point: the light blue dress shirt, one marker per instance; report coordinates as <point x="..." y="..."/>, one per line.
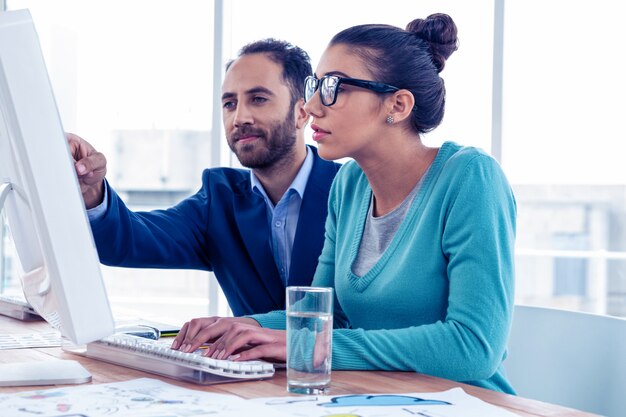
<point x="283" y="218"/>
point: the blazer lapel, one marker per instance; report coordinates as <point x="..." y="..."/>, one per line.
<point x="309" y="238"/>
<point x="251" y="218"/>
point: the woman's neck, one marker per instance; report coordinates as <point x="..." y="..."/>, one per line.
<point x="395" y="171"/>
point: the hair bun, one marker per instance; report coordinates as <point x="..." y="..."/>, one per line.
<point x="440" y="32"/>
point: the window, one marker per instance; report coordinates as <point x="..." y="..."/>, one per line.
<point x="563" y="106"/>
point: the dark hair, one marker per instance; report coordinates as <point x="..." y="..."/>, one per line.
<point x="410" y="59"/>
<point x="295" y="62"/>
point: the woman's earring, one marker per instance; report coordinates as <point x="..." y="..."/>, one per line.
<point x="389" y="120"/>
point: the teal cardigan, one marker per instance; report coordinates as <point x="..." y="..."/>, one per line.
<point x="440" y="299"/>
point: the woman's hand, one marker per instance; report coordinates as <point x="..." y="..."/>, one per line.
<point x="244" y="342"/>
<point x="196" y="332"/>
<point x="235" y="338"/>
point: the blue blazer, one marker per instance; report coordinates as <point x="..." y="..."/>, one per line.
<point x="222" y="228"/>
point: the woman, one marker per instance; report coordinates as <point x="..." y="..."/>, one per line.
<point x="419" y="240"/>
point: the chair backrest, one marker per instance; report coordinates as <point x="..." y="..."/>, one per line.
<point x="569" y="358"/>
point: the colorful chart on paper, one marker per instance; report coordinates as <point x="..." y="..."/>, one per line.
<point x="143" y="397"/>
<point x="452" y="403"/>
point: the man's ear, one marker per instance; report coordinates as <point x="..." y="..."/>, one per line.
<point x="301" y="116"/>
<point x="400" y="105"/>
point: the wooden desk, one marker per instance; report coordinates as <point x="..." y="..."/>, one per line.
<point x="343" y="382"/>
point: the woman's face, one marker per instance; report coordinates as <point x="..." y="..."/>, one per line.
<point x="354" y="124"/>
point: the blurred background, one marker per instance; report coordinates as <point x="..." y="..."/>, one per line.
<point x="537" y="84"/>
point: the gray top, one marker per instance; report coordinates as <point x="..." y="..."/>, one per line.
<point x="379" y="231"/>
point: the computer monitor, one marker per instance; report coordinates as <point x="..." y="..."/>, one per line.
<point x="40" y="194"/>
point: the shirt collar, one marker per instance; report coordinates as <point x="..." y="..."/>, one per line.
<point x="299" y="182"/>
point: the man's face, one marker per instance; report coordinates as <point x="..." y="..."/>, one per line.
<point x="257" y="112"/>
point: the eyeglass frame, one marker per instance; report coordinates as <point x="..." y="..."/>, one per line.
<point x="375" y="86"/>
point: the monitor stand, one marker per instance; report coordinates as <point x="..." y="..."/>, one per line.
<point x="54" y="372"/>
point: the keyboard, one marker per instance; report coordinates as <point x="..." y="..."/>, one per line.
<point x="17" y="307"/>
<point x="156" y="356"/>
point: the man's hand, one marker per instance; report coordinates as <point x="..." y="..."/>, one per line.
<point x="91" y="167"/>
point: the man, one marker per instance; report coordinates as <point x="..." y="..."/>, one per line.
<point x="259" y="229"/>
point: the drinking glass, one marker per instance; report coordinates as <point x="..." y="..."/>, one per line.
<point x="309" y="339"/>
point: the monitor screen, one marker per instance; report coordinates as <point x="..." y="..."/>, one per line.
<point x="39" y="192"/>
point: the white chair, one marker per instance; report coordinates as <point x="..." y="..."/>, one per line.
<point x="569" y="358"/>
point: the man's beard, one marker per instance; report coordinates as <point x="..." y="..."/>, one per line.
<point x="279" y="142"/>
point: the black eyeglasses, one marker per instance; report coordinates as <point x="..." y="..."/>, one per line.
<point x="329" y="84"/>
